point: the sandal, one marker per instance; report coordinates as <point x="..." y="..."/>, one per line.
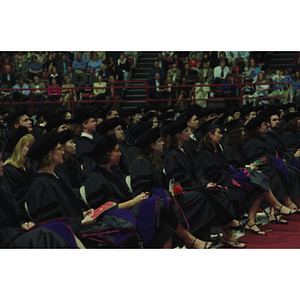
<point x="258" y="232"/>
<point x="297" y="210"/>
<point x="278" y="211"/>
<point x="241" y="225"/>
<point x="234" y="244"/>
<point x="191" y="246"/>
<point x="278" y="220"/>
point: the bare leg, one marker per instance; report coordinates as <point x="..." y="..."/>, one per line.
<point x="78" y="242"/>
<point x="252" y="215"/>
<point x="275" y="204"/>
<point x="290" y="204"/>
<point x="168" y="244"/>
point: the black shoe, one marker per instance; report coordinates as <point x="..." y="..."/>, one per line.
<point x="241" y="225"/>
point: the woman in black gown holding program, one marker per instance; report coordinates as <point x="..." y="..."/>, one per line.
<point x="104" y="184"/>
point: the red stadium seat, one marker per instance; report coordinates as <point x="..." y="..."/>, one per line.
<point x="83" y="96"/>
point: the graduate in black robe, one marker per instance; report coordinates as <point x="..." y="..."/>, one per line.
<point x="70" y="169"/>
<point x="290" y="135"/>
<point x="51" y="197"/>
<point x="284" y="180"/>
<point x="17" y="231"/>
<point x="85" y="119"/>
<point x="272" y="137"/>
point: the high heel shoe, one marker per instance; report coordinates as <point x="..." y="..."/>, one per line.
<point x="234" y="244"/>
<point x="278" y="211"/>
<point x="241" y="225"/>
<point x="191" y="245"/>
<point x="258" y="232"/>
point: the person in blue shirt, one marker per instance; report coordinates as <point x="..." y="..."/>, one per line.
<point x="35" y="68"/>
<point x="229" y="91"/>
<point x="23" y="95"/>
<point x="79" y="64"/>
<point x="95" y="63"/>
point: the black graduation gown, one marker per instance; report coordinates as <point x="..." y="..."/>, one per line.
<point x="106" y="185"/>
<point x="71" y="170"/>
<point x="124" y="160"/>
<point x="17" y="180"/>
<point x="11" y="234"/>
<point x="50" y="197"/>
<point x="102" y="186"/>
<point x="83" y="146"/>
<point x="276" y="142"/>
<point x="255" y="149"/>
<point x="217" y="205"/>
<point x="215" y="170"/>
<point x="131" y="153"/>
<point x="258" y="180"/>
<point x="291" y="140"/>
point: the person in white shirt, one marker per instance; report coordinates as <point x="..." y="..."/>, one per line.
<point x="220" y="72"/>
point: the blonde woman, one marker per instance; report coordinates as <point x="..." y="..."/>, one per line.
<point x="17" y="171"/>
<point x="99" y="94"/>
<point x="67" y="93"/>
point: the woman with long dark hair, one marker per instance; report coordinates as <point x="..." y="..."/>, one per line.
<point x="147" y="173"/>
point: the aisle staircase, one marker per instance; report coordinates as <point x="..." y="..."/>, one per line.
<point x="141" y="72"/>
<point x="280" y="60"/>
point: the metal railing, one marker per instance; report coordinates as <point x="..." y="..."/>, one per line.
<point x="122" y="85"/>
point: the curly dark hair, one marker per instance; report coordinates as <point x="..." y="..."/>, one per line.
<point x="234" y="139"/>
<point x="254" y="133"/>
<point x="103" y="158"/>
<point x="291" y="126"/>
